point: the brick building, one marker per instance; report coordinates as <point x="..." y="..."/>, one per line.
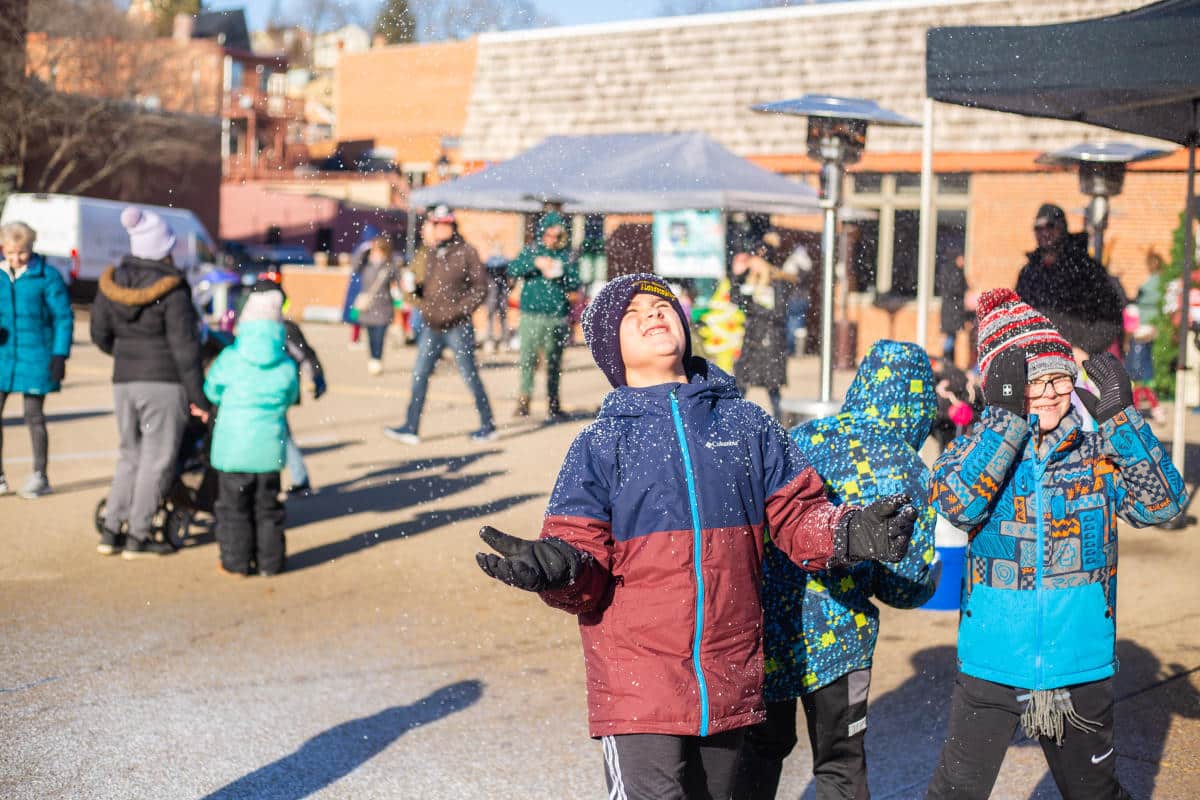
<point x="705" y="72"/>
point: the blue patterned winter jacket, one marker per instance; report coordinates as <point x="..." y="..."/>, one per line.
<point x="1039" y="592"/>
<point x="820" y="626"/>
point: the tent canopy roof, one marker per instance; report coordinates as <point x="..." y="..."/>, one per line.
<point x="1137" y="72"/>
<point x="625" y="173"/>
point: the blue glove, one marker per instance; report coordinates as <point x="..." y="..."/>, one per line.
<point x="319" y="387"/>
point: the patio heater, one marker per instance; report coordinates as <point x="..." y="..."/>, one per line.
<point x="837" y="134"/>
<point x="1101" y="168"/>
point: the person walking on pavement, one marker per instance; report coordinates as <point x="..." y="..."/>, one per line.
<point x="455" y="284"/>
<point x="373" y="307"/>
<point x="143" y="317"/>
<point x="36" y="322"/>
<point x="550" y="274"/>
<point x="1073" y="290"/>
<point x="820" y="628"/>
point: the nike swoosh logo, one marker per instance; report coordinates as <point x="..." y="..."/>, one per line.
<point x="1098" y="759"/>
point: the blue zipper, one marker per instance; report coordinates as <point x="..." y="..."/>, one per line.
<point x="690" y="477"/>
<point x="1039" y="471"/>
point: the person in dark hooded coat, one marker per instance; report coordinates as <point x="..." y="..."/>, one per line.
<point x="1069" y="287"/>
<point x="143" y="317"/>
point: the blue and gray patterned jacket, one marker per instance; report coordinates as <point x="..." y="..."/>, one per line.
<point x="820" y="626"/>
<point x="1040" y="583"/>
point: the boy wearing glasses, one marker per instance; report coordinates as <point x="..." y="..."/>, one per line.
<point x="1040" y="497"/>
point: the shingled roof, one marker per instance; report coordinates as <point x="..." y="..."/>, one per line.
<point x="702" y="73"/>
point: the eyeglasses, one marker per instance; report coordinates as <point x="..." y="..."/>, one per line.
<point x="1063" y="384"/>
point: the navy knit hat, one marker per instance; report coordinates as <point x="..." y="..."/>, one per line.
<point x="602" y="321"/>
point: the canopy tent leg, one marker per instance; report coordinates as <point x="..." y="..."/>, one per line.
<point x="410" y="235"/>
<point x="1178" y="440"/>
<point x="926" y="241"/>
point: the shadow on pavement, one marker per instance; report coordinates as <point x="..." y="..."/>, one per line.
<point x="327" y="447"/>
<point x="1149" y="694"/>
<point x="335" y="753"/>
<point x="65" y="416"/>
<point x="908" y="724"/>
<point x="422" y="523"/>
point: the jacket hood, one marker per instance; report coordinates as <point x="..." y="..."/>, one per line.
<point x="548" y="221"/>
<point x="894" y="386"/>
<point x="707" y="383"/>
<point x="137" y="283"/>
<point x="261" y="342"/>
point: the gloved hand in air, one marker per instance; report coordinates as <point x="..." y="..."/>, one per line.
<point x="319" y="387"/>
<point x="879" y="532"/>
<point x="1116" y="391"/>
<point x="1007" y="377"/>
<point x="58" y="368"/>
<point x="534" y="566"/>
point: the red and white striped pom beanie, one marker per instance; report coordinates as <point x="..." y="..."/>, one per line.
<point x="1006" y="320"/>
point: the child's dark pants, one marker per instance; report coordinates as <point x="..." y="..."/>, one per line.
<point x="837" y="717"/>
<point x="983" y="717"/>
<point x="651" y="766"/>
<point x="250" y="521"/>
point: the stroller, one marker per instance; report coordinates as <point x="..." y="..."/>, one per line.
<point x="193" y="488"/>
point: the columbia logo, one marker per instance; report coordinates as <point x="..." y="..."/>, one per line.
<point x="711" y="445"/>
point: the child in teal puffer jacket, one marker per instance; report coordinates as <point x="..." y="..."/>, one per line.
<point x="253" y="382"/>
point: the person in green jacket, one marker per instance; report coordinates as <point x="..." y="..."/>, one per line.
<point x="550" y="273"/>
<point x="253" y="382"/>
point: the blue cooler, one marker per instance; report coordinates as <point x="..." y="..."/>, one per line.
<point x="951" y="546"/>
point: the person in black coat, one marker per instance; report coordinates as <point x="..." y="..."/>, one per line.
<point x="143" y="317"/>
<point x="1069" y="287"/>
<point x="762" y="290"/>
<point x="952" y="287"/>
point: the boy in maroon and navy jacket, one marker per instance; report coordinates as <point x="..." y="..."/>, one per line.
<point x="654" y="538"/>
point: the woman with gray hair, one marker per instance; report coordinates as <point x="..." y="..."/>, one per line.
<point x="35" y="341"/>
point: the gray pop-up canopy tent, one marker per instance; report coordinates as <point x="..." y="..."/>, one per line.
<point x="625" y="173"/>
<point x="1137" y="72"/>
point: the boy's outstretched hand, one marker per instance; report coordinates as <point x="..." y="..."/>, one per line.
<point x="534" y="566"/>
<point x="880" y="532"/>
<point x="1116" y="392"/>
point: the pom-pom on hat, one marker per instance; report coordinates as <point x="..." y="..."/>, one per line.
<point x="150" y="237"/>
<point x="1005" y="320"/>
<point x="602" y="321"/>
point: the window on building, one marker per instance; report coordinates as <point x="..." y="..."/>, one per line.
<point x="274" y="234"/>
<point x="883" y="256"/>
<point x="236" y="74"/>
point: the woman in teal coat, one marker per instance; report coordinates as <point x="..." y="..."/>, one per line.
<point x="35" y="340"/>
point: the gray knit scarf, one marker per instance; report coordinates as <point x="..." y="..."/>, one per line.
<point x="1046" y="713"/>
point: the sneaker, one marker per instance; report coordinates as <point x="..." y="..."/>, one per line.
<point x="522" y="409"/>
<point x="110" y="543"/>
<point x="36" y="486"/>
<point x="374" y="367"/>
<point x="300" y="490"/>
<point x="145" y="548"/>
<point x="4" y="489"/>
<point x="484" y="435"/>
<point x="403" y="434"/>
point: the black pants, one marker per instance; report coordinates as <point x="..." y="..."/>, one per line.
<point x="35" y="420"/>
<point x="650" y="766"/>
<point x="250" y="521"/>
<point x="983" y="717"/>
<point x="837" y="722"/>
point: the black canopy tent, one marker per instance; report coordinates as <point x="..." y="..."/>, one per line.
<point x="1137" y="72"/>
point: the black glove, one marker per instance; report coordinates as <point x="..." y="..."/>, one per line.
<point x="58" y="368"/>
<point x="879" y="532"/>
<point x="1116" y="392"/>
<point x="530" y="565"/>
<point x="1007" y="377"/>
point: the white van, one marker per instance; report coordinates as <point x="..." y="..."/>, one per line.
<point x="83" y="236"/>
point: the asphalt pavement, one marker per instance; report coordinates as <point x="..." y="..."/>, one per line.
<point x="384" y="664"/>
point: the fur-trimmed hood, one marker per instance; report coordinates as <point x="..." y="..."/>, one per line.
<point x="137" y="283"/>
